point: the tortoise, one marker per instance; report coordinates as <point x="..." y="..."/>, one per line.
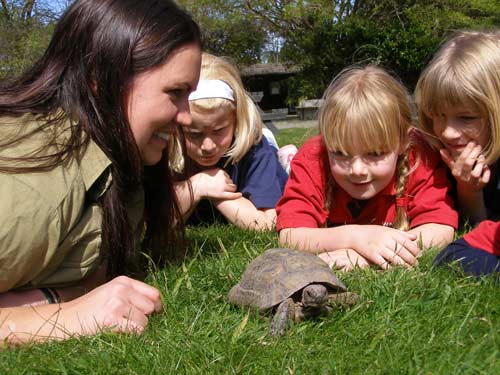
<point x="297" y="285"/>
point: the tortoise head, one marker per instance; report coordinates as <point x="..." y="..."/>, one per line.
<point x="314" y="295"/>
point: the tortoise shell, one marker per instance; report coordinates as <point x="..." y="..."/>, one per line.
<point x="279" y="273"/>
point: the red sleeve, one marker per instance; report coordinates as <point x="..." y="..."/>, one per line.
<point x="485" y="236"/>
<point x="303" y="201"/>
<point x="429" y="188"/>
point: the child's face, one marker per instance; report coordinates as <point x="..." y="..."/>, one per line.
<point x="210" y="135"/>
<point x="363" y="176"/>
<point x="157" y="101"/>
<point x="457" y="126"/>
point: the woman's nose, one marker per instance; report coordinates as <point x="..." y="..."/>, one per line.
<point x="183" y="116"/>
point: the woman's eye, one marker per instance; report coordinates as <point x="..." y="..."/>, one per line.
<point x="175" y="93"/>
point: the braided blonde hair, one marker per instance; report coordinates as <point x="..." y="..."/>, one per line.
<point x="368" y="107"/>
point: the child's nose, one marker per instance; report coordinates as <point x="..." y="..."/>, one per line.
<point x="208" y="144"/>
<point x="450" y="130"/>
<point x="358" y="167"/>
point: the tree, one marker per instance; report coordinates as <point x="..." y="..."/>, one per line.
<point x="228" y="29"/>
<point x="26" y="27"/>
<point x="326" y="36"/>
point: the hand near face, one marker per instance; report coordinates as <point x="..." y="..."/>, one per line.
<point x="468" y="167"/>
<point x="385" y="246"/>
<point x="215" y="183"/>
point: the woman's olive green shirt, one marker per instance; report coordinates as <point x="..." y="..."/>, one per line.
<point x="50" y="222"/>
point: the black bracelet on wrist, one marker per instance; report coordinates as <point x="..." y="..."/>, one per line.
<point x="51" y="295"/>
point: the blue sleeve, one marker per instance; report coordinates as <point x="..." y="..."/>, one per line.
<point x="260" y="176"/>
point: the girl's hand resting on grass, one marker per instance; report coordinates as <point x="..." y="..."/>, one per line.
<point x="122" y="305"/>
<point x="469" y="168"/>
<point x="344" y="259"/>
<point x="385" y="246"/>
<point x="214" y="184"/>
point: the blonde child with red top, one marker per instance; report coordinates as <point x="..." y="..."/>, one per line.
<point x="367" y="190"/>
<point x="458" y="96"/>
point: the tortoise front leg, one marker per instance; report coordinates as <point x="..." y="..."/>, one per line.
<point x="345" y="299"/>
<point x="285" y="313"/>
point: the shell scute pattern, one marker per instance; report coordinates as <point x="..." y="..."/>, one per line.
<point x="278" y="274"/>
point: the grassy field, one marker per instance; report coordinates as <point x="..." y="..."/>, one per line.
<point x="418" y="321"/>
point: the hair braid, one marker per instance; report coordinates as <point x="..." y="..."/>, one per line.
<point x="402" y="172"/>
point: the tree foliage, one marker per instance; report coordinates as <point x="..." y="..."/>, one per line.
<point x="326" y="36"/>
<point x="323" y="36"/>
<point x="26" y="27"/>
<point x="228" y="28"/>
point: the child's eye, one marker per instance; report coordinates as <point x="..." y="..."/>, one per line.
<point x="468" y="118"/>
<point x="376" y="154"/>
<point x="338" y="154"/>
<point x="219" y="131"/>
<point x="192" y="135"/>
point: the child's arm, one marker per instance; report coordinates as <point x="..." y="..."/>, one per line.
<point x="242" y="213"/>
<point x="210" y="184"/>
<point x="432" y="234"/>
<point x="378" y="244"/>
<point x="472" y="175"/>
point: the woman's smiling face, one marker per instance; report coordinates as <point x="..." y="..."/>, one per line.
<point x="157" y="101"/>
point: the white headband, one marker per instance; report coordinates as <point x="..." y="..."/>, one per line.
<point x="212" y="88"/>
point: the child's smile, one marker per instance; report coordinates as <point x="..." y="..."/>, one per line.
<point x="363" y="176"/>
<point x="457" y="126"/>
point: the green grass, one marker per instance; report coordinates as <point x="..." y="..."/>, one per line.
<point x="418" y="321"/>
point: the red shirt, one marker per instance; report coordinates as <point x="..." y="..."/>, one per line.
<point x="303" y="202"/>
<point x="485" y="236"/>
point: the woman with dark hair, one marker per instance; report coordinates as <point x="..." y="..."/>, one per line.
<point x="82" y="141"/>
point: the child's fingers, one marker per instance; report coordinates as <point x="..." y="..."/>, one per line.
<point x="227" y="195"/>
<point x="471" y="158"/>
<point x="406" y="256"/>
<point x="407" y="241"/>
<point x="485" y="177"/>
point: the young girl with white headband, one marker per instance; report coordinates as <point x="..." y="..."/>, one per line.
<point x="225" y="165"/>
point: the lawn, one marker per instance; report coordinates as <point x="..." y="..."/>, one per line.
<point x="418" y="321"/>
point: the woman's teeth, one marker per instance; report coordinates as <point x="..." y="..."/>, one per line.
<point x="162" y="135"/>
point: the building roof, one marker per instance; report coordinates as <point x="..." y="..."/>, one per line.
<point x="268" y="69"/>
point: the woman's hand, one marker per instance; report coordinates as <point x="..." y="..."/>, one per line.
<point x="344" y="259"/>
<point x="469" y="168"/>
<point x="122" y="305"/>
<point x="214" y="184"/>
<point x="385" y="246"/>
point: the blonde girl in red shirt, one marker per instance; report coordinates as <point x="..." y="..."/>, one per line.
<point x="458" y="95"/>
<point x="367" y="190"/>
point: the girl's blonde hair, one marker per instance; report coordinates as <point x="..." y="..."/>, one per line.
<point x="366" y="107"/>
<point x="466" y="69"/>
<point x="248" y="127"/>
